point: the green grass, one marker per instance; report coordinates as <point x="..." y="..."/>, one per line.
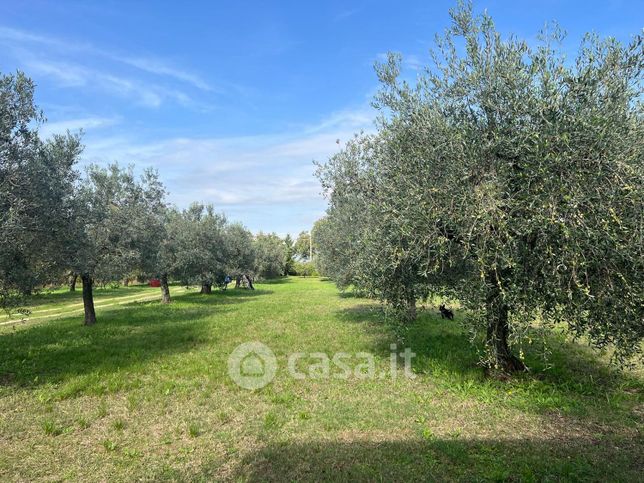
<point x="53" y="303"/>
<point x="145" y="395"/>
<point x="50" y="298"/>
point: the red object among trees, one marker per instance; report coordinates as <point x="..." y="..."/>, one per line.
<point x="155" y="282"/>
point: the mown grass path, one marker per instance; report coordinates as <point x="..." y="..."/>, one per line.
<point x="36" y="313"/>
<point x="145" y="395"/>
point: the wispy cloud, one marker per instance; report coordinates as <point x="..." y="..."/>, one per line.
<point x="73" y="65"/>
<point x="69" y="74"/>
<point x="409" y="61"/>
<point x="64" y="73"/>
<point x="74" y="125"/>
<point x="413" y="62"/>
<point x="345" y="120"/>
<point x="156" y="66"/>
<point x="147" y="64"/>
<point x="265" y="180"/>
<point x="345" y="14"/>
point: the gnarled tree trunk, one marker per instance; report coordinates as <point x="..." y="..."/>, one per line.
<point x="250" y="282"/>
<point x="206" y="287"/>
<point x="88" y="299"/>
<point x="165" y="289"/>
<point x="498" y="330"/>
<point x="238" y="281"/>
<point x="72" y="282"/>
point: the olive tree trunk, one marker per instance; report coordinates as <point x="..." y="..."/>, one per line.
<point x="498" y="331"/>
<point x="165" y="289"/>
<point x="206" y="287"/>
<point x="88" y="299"/>
<point x="72" y="282"/>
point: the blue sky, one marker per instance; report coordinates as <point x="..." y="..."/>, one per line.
<point x="232" y="101"/>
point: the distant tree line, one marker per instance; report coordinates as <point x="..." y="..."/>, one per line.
<point x="507" y="177"/>
<point x="107" y="224"/>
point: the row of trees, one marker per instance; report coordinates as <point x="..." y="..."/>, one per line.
<point x="108" y="223"/>
<point x="507" y="177"/>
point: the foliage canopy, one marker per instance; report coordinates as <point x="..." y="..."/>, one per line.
<point x="506" y="176"/>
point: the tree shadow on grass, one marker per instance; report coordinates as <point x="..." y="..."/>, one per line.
<point x="45" y="296"/>
<point x="223" y="296"/>
<point x="432" y="459"/>
<point x="574" y="379"/>
<point x="274" y="281"/>
<point x="126" y="335"/>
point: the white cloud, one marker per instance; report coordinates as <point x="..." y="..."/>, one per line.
<point x="345" y="120"/>
<point x="147" y="64"/>
<point x="65" y="74"/>
<point x="246" y="175"/>
<point x="409" y="61"/>
<point x="413" y="62"/>
<point x="156" y="66"/>
<point x="265" y="181"/>
<point x="7" y="33"/>
<point x="73" y="75"/>
<point x="74" y="125"/>
<point x="345" y="14"/>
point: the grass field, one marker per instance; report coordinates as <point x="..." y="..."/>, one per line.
<point x="56" y="303"/>
<point x="145" y="395"/>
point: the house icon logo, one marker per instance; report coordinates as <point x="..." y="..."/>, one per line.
<point x="252" y="365"/>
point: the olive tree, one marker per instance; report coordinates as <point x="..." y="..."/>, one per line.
<point x="166" y="258"/>
<point x="269" y="255"/>
<point x="36" y="193"/>
<point x="240" y="252"/>
<point x="114" y="215"/>
<point x="509" y="177"/>
<point x="155" y="238"/>
<point x="200" y="246"/>
<point x="360" y="241"/>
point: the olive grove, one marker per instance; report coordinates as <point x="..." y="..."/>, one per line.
<point x="57" y="225"/>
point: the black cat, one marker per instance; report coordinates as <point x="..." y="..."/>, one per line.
<point x="445" y="312"/>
